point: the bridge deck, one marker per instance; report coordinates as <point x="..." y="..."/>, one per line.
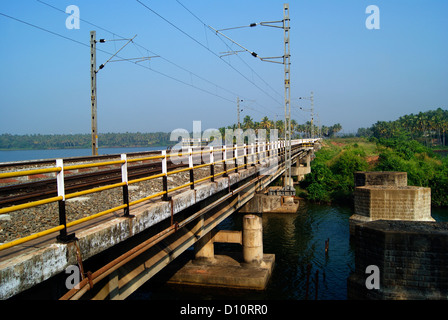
<point x="44" y="257"/>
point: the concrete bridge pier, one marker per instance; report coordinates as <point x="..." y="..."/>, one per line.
<point x="302" y="167"/>
<point x="205" y="250"/>
<point x="385" y="195"/>
<point x="252" y="239"/>
<point x="400" y="251"/>
<point x="249" y="269"/>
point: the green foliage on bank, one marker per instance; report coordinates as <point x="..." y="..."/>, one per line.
<point x="430" y="128"/>
<point x="73" y="141"/>
<point x="332" y="171"/>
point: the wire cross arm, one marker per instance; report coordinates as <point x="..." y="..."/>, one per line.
<point x="270" y="24"/>
<point x="137" y="60"/>
<point x="264" y="23"/>
<point x="229" y="53"/>
<point x="239" y="45"/>
<point x="249" y="26"/>
<point x="103" y="65"/>
<point x="271" y="59"/>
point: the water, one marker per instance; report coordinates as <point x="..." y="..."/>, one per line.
<point x="22" y="155"/>
<point x="296" y="240"/>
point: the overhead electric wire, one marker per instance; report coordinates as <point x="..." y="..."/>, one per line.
<point x="104" y="51"/>
<point x="202" y="45"/>
<point x="124" y="59"/>
<point x="208" y="27"/>
<point x="43" y="29"/>
<point x="154" y="53"/>
<point x="96" y="26"/>
<point x="163" y="58"/>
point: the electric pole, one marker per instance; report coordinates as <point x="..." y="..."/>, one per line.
<point x="93" y="72"/>
<point x="288" y="186"/>
<point x="287" y="63"/>
<point x="312" y="114"/>
<point x="311" y="98"/>
<point x="238" y="110"/>
<point x="93" y="92"/>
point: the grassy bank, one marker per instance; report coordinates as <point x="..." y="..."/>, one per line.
<point x="332" y="172"/>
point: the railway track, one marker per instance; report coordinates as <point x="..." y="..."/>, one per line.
<point x="36" y="190"/>
<point x="22" y="192"/>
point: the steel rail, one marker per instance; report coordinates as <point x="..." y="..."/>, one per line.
<point x="75" y="194"/>
<point x="106" y="270"/>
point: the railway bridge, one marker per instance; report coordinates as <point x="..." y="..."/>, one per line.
<point x="158" y="206"/>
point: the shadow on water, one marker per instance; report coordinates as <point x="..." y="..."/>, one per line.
<point x="297" y="240"/>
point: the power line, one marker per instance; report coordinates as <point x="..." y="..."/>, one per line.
<point x="165" y="59"/>
<point x="202" y="45"/>
<point x="124" y="59"/>
<point x="104" y="51"/>
<point x="154" y="53"/>
<point x="96" y="26"/>
<point x="43" y="29"/>
<point x="208" y="27"/>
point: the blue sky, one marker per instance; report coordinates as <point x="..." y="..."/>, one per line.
<point x="358" y="76"/>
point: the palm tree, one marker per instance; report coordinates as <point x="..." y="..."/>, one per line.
<point x="336" y="128"/>
<point x="248" y="122"/>
<point x="265" y="123"/>
<point x="280" y="127"/>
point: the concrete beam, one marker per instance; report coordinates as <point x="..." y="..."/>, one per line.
<point x="43" y="260"/>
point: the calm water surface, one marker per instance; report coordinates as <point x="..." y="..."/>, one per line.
<point x="296" y="240"/>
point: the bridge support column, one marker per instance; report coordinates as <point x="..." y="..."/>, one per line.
<point x="252" y="239"/>
<point x="302" y="168"/>
<point x="205" y="249"/>
<point x="250" y="269"/>
<point x="386" y="196"/>
<point x="272" y="200"/>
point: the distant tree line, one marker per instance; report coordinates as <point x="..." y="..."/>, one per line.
<point x="297" y="130"/>
<point x="153" y="139"/>
<point x="429" y="128"/>
<point x="73" y="141"/>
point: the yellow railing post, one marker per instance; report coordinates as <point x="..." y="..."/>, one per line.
<point x="235" y="155"/>
<point x="212" y="164"/>
<point x="224" y="158"/>
<point x="124" y="179"/>
<point x="190" y="165"/>
<point x="63" y="236"/>
<point x="165" y="177"/>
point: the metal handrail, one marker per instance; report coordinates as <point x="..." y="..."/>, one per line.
<point x="255" y="156"/>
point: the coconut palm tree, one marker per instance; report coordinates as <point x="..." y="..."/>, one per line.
<point x="265" y="123"/>
<point x="248" y="122"/>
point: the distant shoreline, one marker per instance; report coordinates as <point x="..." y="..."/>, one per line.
<point x="83" y="147"/>
<point x="10" y="142"/>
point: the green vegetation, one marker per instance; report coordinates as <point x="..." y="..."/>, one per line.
<point x="297" y="130"/>
<point x="332" y="171"/>
<point x="72" y="141"/>
<point x="429" y="128"/>
<point x="391" y="146"/>
<point x="154" y="139"/>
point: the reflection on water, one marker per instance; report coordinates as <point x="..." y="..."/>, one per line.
<point x="299" y="240"/>
<point x="296" y="240"/>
